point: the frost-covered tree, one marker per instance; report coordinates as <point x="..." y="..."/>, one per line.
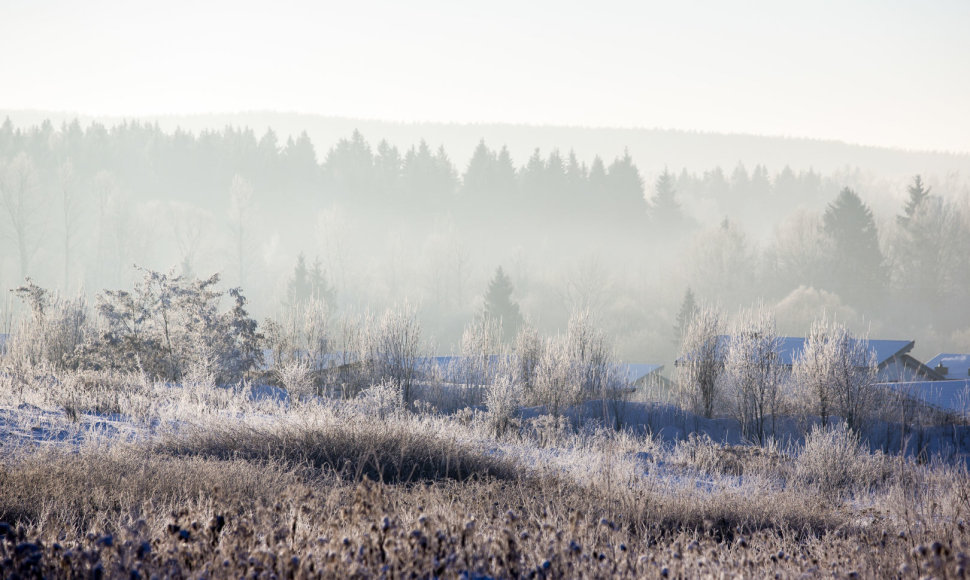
<point x="556" y="384"/>
<point x="480" y="341"/>
<point x="591" y="354"/>
<point x="701" y="362"/>
<point x="390" y="349"/>
<point x="752" y="373"/>
<point x="835" y="374"/>
<point x="526" y="354"/>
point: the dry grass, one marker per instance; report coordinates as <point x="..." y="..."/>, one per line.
<point x="239" y="488"/>
<point x="113" y="512"/>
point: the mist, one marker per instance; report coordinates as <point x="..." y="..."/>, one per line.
<point x="414" y="214"/>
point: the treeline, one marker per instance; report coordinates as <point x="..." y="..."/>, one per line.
<point x="380" y="224"/>
<point x="149" y="163"/>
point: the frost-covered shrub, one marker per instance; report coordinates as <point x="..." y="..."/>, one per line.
<point x="526" y="353"/>
<point x="556" y="383"/>
<point x="566" y="369"/>
<point x="382" y="400"/>
<point x="170" y="324"/>
<point x="705" y="455"/>
<point x="834" y="459"/>
<point x="52" y="333"/>
<point x="480" y="342"/>
<point x="502" y="399"/>
<point x="548" y="429"/>
<point x="591" y="353"/>
<point x="389" y="349"/>
<point x="301" y="332"/>
<point x="296" y="376"/>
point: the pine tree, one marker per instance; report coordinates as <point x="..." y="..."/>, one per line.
<point x="666" y="210"/>
<point x="479" y="176"/>
<point x="298" y="288"/>
<point x="500" y="306"/>
<point x="626" y="185"/>
<point x="856" y="262"/>
<point x="917" y="195"/>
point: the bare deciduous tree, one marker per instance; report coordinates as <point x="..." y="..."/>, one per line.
<point x="701" y="362"/>
<point x="835" y="374"/>
<point x="752" y="373"/>
<point x="22" y="200"/>
<point x="391" y="348"/>
<point x="481" y="339"/>
<point x="72" y="205"/>
<point x="240" y="217"/>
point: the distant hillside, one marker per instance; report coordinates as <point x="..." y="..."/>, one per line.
<point x="652" y="149"/>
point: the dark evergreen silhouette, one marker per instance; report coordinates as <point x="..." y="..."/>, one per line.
<point x="856" y="263"/>
<point x="665" y="210"/>
<point x="917" y="195"/>
<point x="307" y="285"/>
<point x="500" y="306"/>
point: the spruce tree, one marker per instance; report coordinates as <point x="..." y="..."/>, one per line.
<point x="500" y="306"/>
<point x="298" y="288"/>
<point x="917" y="195"/>
<point x="666" y="210"/>
<point x="856" y="262"/>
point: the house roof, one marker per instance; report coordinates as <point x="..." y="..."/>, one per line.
<point x="633" y="372"/>
<point x="790" y="347"/>
<point x="952" y="395"/>
<point x="630" y="372"/>
<point x="957" y="365"/>
<point x="884" y="350"/>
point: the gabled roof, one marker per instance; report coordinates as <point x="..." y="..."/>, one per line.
<point x="633" y="372"/>
<point x="957" y="365"/>
<point x="951" y="395"/>
<point x="791" y="347"/>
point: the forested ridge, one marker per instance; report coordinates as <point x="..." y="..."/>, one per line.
<point x="82" y="203"/>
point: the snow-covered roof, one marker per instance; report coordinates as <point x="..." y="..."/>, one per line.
<point x="633" y="372"/>
<point x="957" y="365"/>
<point x="953" y="395"/>
<point x="790" y="347"/>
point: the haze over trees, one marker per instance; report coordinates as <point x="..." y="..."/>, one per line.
<point x="377" y="224"/>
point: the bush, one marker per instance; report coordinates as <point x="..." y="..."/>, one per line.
<point x="834" y="460"/>
<point x="502" y="398"/>
<point x="52" y="334"/>
<point x="382" y="400"/>
<point x="169" y="325"/>
<point x="296" y="376"/>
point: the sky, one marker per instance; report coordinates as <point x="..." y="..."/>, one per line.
<point x="887" y="73"/>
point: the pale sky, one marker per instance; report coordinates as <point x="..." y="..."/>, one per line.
<point x="888" y="73"/>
